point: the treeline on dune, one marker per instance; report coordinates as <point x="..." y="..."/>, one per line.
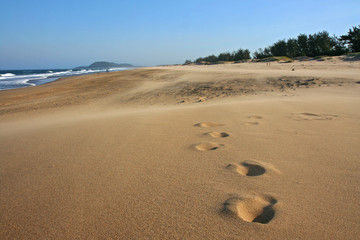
<point x="312" y="45"/>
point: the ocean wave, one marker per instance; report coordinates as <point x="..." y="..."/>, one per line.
<point x="8" y="84"/>
<point x="7" y="75"/>
<point x="11" y="80"/>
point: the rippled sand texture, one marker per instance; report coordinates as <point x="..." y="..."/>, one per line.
<point x="234" y="151"/>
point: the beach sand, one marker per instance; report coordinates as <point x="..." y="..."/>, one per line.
<point x="230" y="151"/>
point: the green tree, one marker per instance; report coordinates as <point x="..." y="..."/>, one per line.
<point x="312" y="48"/>
<point x="199" y="60"/>
<point x="324" y="43"/>
<point x="260" y="53"/>
<point x="211" y="59"/>
<point x="247" y="54"/>
<point x="292" y="48"/>
<point x="241" y="55"/>
<point x="279" y="48"/>
<point x="352" y="39"/>
<point x="339" y="47"/>
<point x="225" y="57"/>
<point x="302" y="41"/>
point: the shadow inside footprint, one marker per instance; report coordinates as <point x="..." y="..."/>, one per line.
<point x="254" y="169"/>
<point x="251" y="123"/>
<point x="257" y="209"/>
<point x="207" y="146"/>
<point x="218" y="134"/>
<point x="208" y="124"/>
<point x="266" y="216"/>
<point x="247" y="169"/>
<point x="255" y="117"/>
<point x="310" y="114"/>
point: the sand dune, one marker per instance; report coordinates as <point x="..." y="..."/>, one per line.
<point x="232" y="151"/>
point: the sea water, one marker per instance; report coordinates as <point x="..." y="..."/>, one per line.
<point x="10" y="79"/>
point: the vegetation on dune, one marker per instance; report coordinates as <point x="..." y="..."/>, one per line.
<point x="274" y="58"/>
<point x="352" y="56"/>
<point x="239" y="55"/>
<point x="315" y="45"/>
<point x="312" y="45"/>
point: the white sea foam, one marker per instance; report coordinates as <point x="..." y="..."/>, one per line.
<point x="10" y="80"/>
<point x="16" y="82"/>
<point x="7" y="75"/>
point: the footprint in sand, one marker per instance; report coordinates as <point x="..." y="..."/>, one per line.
<point x="251" y="123"/>
<point x="252" y="209"/>
<point x="313" y="116"/>
<point x="253" y="117"/>
<point x="217" y="134"/>
<point x="208" y="124"/>
<point x="207" y="146"/>
<point x="247" y="169"/>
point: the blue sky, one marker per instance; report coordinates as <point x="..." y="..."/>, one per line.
<point x="66" y="34"/>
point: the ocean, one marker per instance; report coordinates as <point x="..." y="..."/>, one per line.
<point x="10" y="79"/>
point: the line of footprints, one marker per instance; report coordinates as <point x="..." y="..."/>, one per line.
<point x="257" y="208"/>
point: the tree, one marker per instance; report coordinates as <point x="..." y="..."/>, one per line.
<point x="320" y="44"/>
<point x="260" y="53"/>
<point x="247" y="54"/>
<point x="267" y="52"/>
<point x="312" y="49"/>
<point x="326" y="43"/>
<point x="292" y="48"/>
<point x="311" y="45"/>
<point x="302" y="41"/>
<point x="339" y="46"/>
<point x="199" y="60"/>
<point x="279" y="48"/>
<point x="211" y="58"/>
<point x="241" y="55"/>
<point x="225" y="57"/>
<point x="352" y="39"/>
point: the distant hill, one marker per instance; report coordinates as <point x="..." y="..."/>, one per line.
<point x="102" y="65"/>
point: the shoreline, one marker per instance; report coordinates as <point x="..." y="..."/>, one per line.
<point x="218" y="81"/>
<point x="36" y="77"/>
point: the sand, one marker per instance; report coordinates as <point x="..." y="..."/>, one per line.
<point x="230" y="151"/>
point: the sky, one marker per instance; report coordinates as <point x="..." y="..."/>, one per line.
<point x="41" y="34"/>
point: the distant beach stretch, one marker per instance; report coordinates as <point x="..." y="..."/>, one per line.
<point x="227" y="151"/>
<point x="10" y="79"/>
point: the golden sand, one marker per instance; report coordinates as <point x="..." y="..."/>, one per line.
<point x="231" y="151"/>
